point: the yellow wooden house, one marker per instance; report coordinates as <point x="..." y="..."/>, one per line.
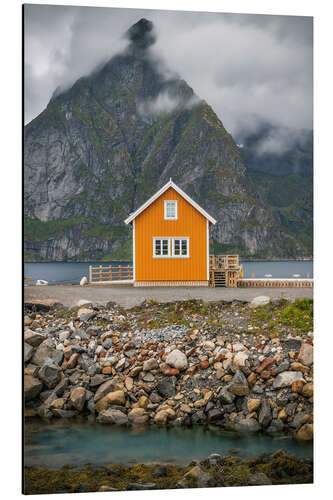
<point x="170" y="240"/>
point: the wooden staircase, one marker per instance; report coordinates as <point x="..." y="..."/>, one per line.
<point x="224" y="271"/>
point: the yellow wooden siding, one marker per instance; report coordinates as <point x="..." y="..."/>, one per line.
<point x="190" y="223"/>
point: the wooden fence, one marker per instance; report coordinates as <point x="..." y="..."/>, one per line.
<point x="98" y="274"/>
<point x="275" y="283"/>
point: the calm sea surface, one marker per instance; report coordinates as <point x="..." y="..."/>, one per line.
<point x="57" y="273"/>
<point x="58" y="443"/>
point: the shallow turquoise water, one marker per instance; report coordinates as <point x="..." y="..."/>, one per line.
<point x="58" y="443"/>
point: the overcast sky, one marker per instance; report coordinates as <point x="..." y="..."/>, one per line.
<point x="249" y="68"/>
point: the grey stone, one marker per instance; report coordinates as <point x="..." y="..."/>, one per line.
<point x="246" y="425"/>
<point x="239" y="385"/>
<point x="276" y="426"/>
<point x="112" y="416"/>
<point x="285" y="379"/>
<point x="258" y="479"/>
<point x="225" y="396"/>
<point x="49" y="373"/>
<point x="167" y="387"/>
<point x="142" y="486"/>
<point x="265" y="414"/>
<point x="32" y="387"/>
<point x="28" y="352"/>
<point x="41" y="354"/>
<point x="33" y="338"/>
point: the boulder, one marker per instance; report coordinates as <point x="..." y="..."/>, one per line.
<point x="306" y="354"/>
<point x="246" y="425"/>
<point x="265" y="414"/>
<point x="261" y="300"/>
<point x="49" y="373"/>
<point x="167" y="387"/>
<point x="41" y="354"/>
<point x="104" y="388"/>
<point x="78" y="398"/>
<point x="177" y="359"/>
<point x="32" y="387"/>
<point x="138" y="416"/>
<point x="238" y="385"/>
<point x="202" y="479"/>
<point x="258" y="479"/>
<point x="305" y="433"/>
<point x="112" y="416"/>
<point x="85" y="314"/>
<point x="111" y="399"/>
<point x="28" y="352"/>
<point x="84" y="281"/>
<point x="33" y="338"/>
<point x="225" y="396"/>
<point x="285" y="379"/>
<point x="307" y="390"/>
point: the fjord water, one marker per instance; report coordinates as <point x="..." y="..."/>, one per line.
<point x="58" y="443"/>
<point x="57" y="273"/>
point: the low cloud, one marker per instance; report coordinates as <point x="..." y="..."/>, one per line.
<point x="251" y="69"/>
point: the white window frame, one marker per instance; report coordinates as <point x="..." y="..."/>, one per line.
<point x="187" y="239"/>
<point x="165" y="210"/>
<point x="161" y="238"/>
<point x="171" y="247"/>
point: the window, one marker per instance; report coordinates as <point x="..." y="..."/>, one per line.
<point x="180" y="247"/>
<point x="162" y="247"/>
<point x="171" y="247"/>
<point x="170" y="210"/>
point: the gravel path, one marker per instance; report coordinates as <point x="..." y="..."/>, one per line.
<point x="127" y="296"/>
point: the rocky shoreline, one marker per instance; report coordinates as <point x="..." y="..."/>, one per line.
<point x="215" y="471"/>
<point x="247" y="367"/>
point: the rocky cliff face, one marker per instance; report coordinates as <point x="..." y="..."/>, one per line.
<point x="104" y="146"/>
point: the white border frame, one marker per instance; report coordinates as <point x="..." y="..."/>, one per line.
<point x="165" y="210"/>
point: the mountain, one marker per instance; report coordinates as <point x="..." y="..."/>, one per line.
<point x="284" y="180"/>
<point x="103" y="146"/>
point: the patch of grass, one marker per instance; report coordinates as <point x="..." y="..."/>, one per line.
<point x="275" y="318"/>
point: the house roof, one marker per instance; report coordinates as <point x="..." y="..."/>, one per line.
<point x="168" y="185"/>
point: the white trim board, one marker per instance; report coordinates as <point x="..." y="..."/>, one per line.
<point x="168" y="185"/>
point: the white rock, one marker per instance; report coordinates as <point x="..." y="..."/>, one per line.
<point x="177" y="359"/>
<point x="262" y="300"/>
<point x="42" y="282"/>
<point x="240" y="359"/>
<point x="84" y="281"/>
<point x="64" y="335"/>
<point x="286" y="378"/>
<point x="237" y="346"/>
<point x="208" y="344"/>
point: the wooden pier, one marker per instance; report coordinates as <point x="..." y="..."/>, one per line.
<point x="225" y="271"/>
